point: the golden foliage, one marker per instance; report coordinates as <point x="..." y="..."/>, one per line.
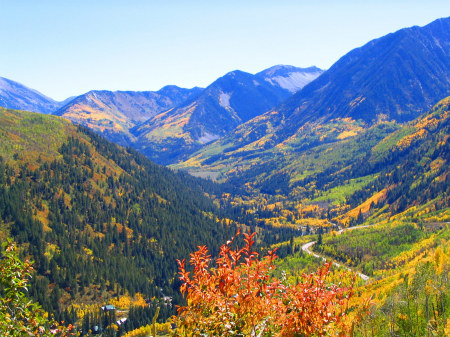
<point x="406" y="141"/>
<point x="125" y="302"/>
<point x="365" y="206"/>
<point x="145" y="331"/>
<point x="347" y="134"/>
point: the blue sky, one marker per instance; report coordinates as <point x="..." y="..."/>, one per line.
<point x="65" y="48"/>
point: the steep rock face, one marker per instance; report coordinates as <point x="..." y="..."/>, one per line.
<point x="228" y="102"/>
<point x="113" y="114"/>
<point x="14" y="95"/>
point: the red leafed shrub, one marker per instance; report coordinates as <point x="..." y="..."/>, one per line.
<point x="238" y="296"/>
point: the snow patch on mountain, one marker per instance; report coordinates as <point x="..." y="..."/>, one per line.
<point x="224" y="100"/>
<point x="294" y="81"/>
<point x="207" y="137"/>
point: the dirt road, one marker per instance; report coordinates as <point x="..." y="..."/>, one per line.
<point x="307" y="248"/>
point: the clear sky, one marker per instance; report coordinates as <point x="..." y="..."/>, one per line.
<point x="66" y="48"/>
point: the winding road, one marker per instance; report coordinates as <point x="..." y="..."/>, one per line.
<point x="306" y="248"/>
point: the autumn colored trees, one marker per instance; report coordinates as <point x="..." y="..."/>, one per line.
<point x="238" y="296"/>
<point x="419" y="305"/>
<point x="19" y="316"/>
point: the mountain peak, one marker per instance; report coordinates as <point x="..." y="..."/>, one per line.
<point x="173" y="90"/>
<point x="289" y="77"/>
<point x="237" y="74"/>
<point x="398" y="76"/>
<point x="280" y="69"/>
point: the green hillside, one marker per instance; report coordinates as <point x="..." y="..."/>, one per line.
<point x="382" y="171"/>
<point x="98" y="220"/>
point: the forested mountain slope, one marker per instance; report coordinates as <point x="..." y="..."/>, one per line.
<point x="413" y="163"/>
<point x="97" y="219"/>
<point x="386" y="170"/>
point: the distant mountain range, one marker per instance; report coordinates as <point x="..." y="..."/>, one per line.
<point x="394" y="78"/>
<point x="171" y="123"/>
<point x="114" y="113"/>
<point x="228" y="102"/>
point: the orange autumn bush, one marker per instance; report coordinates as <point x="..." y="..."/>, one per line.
<point x="238" y="296"/>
